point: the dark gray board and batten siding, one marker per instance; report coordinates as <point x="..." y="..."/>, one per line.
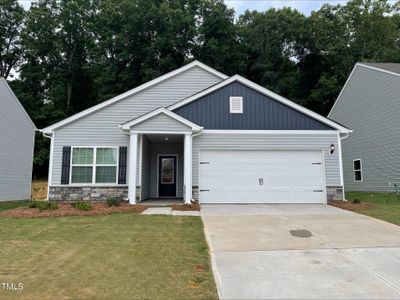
<point x="259" y="112"/>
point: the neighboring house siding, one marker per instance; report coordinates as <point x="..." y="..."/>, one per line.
<point x="370" y="106"/>
<point x="272" y="142"/>
<point x="101" y="128"/>
<point x="162" y="122"/>
<point x="161" y="149"/>
<point x="259" y="112"/>
<point x="16" y="147"/>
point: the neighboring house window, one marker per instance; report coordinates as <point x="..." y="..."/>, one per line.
<point x="357" y="168"/>
<point x="236" y="105"/>
<point x="94" y="165"/>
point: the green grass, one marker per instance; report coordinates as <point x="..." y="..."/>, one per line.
<point x="389" y="212"/>
<point x="120" y="256"/>
<point x="12" y="204"/>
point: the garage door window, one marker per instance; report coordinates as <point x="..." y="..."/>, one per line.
<point x="357" y="168"/>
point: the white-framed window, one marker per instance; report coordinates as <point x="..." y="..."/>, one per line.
<point x="94" y="165"/>
<point x="236" y="105"/>
<point x="357" y="169"/>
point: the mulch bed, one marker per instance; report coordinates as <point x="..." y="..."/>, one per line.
<point x="186" y="207"/>
<point x="350" y="205"/>
<point x="66" y="209"/>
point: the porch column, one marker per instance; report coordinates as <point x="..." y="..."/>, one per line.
<point x="133" y="145"/>
<point x="187" y="179"/>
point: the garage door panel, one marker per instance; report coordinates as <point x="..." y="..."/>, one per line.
<point x="288" y="176"/>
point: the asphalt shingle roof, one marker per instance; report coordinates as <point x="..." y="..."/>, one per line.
<point x="392" y="67"/>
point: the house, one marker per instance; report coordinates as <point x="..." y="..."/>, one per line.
<point x="17" y="136"/>
<point x="369" y="104"/>
<point x="197" y="134"/>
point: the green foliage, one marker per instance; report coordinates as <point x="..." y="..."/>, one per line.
<point x="71" y="55"/>
<point x="113" y="202"/>
<point x="356" y="201"/>
<point x="43" y="205"/>
<point x="82" y="205"/>
<point x="12" y="204"/>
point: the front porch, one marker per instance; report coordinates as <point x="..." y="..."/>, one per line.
<point x="160" y="157"/>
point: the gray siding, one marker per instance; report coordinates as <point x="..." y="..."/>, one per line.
<point x="259" y="112"/>
<point x="162" y="122"/>
<point x="17" y="135"/>
<point x="272" y="142"/>
<point x="145" y="185"/>
<point x="101" y="127"/>
<point x="370" y="105"/>
<point x="157" y="149"/>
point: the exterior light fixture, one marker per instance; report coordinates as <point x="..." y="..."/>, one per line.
<point x="166" y="138"/>
<point x="332" y="149"/>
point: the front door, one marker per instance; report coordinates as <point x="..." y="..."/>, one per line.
<point x="167" y="176"/>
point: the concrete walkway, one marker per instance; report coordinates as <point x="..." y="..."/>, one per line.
<point x="301" y="252"/>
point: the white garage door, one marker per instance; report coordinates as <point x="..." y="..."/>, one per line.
<point x="241" y="176"/>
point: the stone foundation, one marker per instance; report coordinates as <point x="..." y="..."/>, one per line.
<point x="92" y="193"/>
<point x="334" y="192"/>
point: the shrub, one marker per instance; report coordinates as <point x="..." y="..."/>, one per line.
<point x="82" y="205"/>
<point x="113" y="202"/>
<point x="43" y="205"/>
<point x="356" y="201"/>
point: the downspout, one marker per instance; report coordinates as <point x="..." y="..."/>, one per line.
<point x="191" y="169"/>
<point x="341" y="161"/>
<point x="49" y="136"/>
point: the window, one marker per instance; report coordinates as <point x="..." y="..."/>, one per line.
<point x="236" y="105"/>
<point x="357" y="168"/>
<point x="94" y="165"/>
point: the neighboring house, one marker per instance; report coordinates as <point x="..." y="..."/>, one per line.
<point x="17" y="136"/>
<point x="369" y="104"/>
<point x="197" y="134"/>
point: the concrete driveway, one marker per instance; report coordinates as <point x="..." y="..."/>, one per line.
<point x="301" y="252"/>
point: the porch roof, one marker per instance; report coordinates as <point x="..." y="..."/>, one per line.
<point x="174" y="120"/>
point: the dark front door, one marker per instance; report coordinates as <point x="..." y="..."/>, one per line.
<point x="167" y="176"/>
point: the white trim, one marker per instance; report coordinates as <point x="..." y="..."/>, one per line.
<point x="360" y="170"/>
<point x="159" y="132"/>
<point x="19" y="103"/>
<point x="265" y="92"/>
<point x="323" y="162"/>
<point x="94" y="165"/>
<point x="156" y="112"/>
<point x="176" y="175"/>
<point x="132" y="159"/>
<point x="51" y="160"/>
<point x="340" y="158"/>
<point x="271" y="132"/>
<point x="231" y="108"/>
<point x="139" y="179"/>
<point x="187" y="169"/>
<point x="138" y="89"/>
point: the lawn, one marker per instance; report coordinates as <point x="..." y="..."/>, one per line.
<point x="119" y="256"/>
<point x="389" y="212"/>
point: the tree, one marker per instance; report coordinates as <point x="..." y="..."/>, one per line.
<point x="11" y="21"/>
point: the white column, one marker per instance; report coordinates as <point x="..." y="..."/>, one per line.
<point x="133" y="145"/>
<point x="187" y="169"/>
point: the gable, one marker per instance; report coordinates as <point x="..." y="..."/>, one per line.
<point x="260" y="112"/>
<point x="161" y="122"/>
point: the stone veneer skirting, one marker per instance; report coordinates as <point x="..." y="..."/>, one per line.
<point x="99" y="193"/>
<point x="334" y="192"/>
<point x="92" y="193"/>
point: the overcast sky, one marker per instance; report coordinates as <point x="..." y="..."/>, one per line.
<point x="305" y="6"/>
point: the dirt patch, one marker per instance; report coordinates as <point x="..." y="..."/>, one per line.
<point x="66" y="209"/>
<point x="186" y="207"/>
<point x="39" y="189"/>
<point x="301" y="233"/>
<point x="350" y="205"/>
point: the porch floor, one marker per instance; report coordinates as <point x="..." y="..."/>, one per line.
<point x="162" y="201"/>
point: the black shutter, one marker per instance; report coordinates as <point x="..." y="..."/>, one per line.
<point x="123" y="153"/>
<point x="66" y="161"/>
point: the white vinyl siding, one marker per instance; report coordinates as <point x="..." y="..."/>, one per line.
<point x="370" y="106"/>
<point x="301" y="142"/>
<point x="17" y="135"/>
<point x="102" y="126"/>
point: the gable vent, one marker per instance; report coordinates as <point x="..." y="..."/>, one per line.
<point x="236" y="105"/>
